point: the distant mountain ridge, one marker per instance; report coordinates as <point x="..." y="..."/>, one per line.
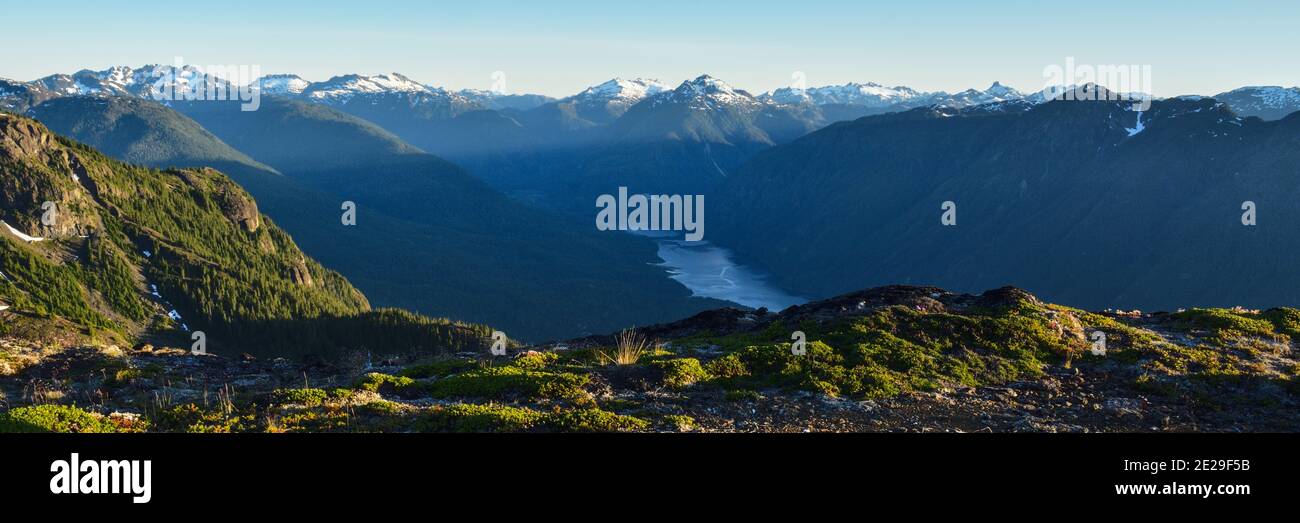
<point x="1269" y="103"/>
<point x="617" y="94"/>
<point x="1141" y="209"/>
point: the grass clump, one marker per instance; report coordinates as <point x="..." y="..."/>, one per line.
<point x="628" y="350"/>
<point x="53" y="418"/>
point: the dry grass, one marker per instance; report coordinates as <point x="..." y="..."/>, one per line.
<point x="629" y="349"/>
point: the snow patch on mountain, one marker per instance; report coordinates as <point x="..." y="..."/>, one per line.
<point x="1136" y="128"/>
<point x="20" y="234"/>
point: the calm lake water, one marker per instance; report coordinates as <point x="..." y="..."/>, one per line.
<point x="709" y="271"/>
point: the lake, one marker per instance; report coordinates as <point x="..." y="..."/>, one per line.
<point x="709" y="271"/>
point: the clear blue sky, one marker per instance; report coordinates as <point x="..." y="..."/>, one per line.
<point x="557" y="47"/>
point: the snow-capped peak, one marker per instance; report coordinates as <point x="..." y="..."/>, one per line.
<point x="120" y="80"/>
<point x="707" y="92"/>
<point x="343" y="88"/>
<point x="706" y="85"/>
<point x="869" y="94"/>
<point x="1003" y="93"/>
<point x="282" y="84"/>
<point x="621" y="90"/>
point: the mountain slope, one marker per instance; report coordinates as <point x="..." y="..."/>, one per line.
<point x="286" y="132"/>
<point x="139" y="253"/>
<point x="1138" y="209"/>
<point x="140" y="132"/>
<point x="17" y="97"/>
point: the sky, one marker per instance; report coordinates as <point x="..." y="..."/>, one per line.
<point x="558" y="47"/>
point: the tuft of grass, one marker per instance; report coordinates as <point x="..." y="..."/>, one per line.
<point x="628" y="350"/>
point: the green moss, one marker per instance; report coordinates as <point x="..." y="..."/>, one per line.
<point x="311" y="420"/>
<point x="53" y="418"/>
<point x="1285" y="320"/>
<point x="680" y="423"/>
<point x="499" y="382"/>
<point x="385" y="383"/>
<point x="466" y="417"/>
<point x="594" y="420"/>
<point x="535" y="360"/>
<point x="193" y="418"/>
<point x="1180" y="360"/>
<point x="478" y="418"/>
<point x="729" y="366"/>
<point x="680" y="373"/>
<point x="307" y="397"/>
<point x="1224" y="325"/>
<point x="378" y="408"/>
<point x="897" y="349"/>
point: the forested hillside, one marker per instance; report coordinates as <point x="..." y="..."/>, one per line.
<point x="131" y="253"/>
